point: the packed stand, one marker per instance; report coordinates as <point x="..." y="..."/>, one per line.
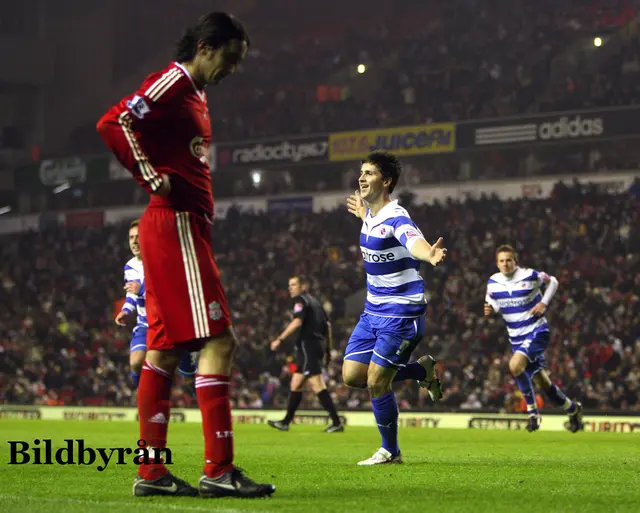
<point x="59" y="343"/>
<point x="426" y="61"/>
<point x="436" y="62"/>
<point x="612" y="82"/>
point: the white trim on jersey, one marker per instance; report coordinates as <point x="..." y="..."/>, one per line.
<point x="199" y="92"/>
<point x="160" y="86"/>
<point x="148" y="173"/>
<point x="194" y="280"/>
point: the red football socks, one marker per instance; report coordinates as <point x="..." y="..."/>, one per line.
<point x="154" y="405"/>
<point x="212" y="391"/>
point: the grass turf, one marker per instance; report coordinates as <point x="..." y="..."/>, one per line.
<point x="444" y="470"/>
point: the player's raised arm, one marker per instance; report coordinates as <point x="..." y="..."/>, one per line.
<point x="410" y="236"/>
<point x="434" y="254"/>
<point x="356" y="206"/>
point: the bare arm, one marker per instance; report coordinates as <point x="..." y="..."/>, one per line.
<point x="293" y="326"/>
<point x="422" y="250"/>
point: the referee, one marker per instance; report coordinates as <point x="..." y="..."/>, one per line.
<point x="313" y="327"/>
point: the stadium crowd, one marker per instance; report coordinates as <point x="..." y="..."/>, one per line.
<point x="59" y="288"/>
<point x="456" y="60"/>
<point x="431" y="61"/>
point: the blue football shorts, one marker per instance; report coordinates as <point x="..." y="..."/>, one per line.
<point x="387" y="341"/>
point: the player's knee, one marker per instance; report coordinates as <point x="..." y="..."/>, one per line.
<point x="136" y="361"/>
<point x="378" y="387"/>
<point x="516" y="367"/>
<point x="354" y="381"/>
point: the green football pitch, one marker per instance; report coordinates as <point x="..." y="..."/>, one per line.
<point x="444" y="471"/>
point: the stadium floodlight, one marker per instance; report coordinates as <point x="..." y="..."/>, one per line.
<point x="597" y="42"/>
<point x="5" y="210"/>
<point x="361" y="68"/>
<point x="256" y="177"/>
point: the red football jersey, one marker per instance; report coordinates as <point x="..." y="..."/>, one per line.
<point x="164" y="128"/>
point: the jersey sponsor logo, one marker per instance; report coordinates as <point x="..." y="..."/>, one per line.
<point x="377" y="258"/>
<point x="515" y="303"/>
<point x="215" y="311"/>
<point x="138" y="107"/>
<point x="199" y="148"/>
<point x="297" y="308"/>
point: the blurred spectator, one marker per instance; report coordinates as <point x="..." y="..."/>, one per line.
<point x="59" y="345"/>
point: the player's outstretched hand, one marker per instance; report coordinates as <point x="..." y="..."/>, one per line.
<point x="488" y="310"/>
<point x="438" y="252"/>
<point x="355" y="205"/>
<point x="165" y="188"/>
<point x="539" y="309"/>
<point x="121" y="318"/>
<point x="132" y="287"/>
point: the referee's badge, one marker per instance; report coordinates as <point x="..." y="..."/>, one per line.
<point x="297" y="308"/>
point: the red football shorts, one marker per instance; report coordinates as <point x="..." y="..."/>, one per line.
<point x="185" y="301"/>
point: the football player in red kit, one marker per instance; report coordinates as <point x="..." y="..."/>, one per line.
<point x="161" y="134"/>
